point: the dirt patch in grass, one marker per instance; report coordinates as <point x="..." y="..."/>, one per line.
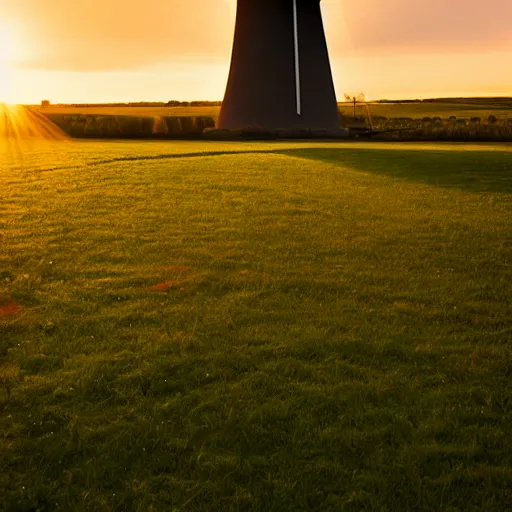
<point x="162" y="287"/>
<point x="10" y="309"/>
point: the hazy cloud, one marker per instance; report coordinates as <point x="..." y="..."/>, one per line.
<point x="432" y="25"/>
<point x="101" y="35"/>
<point x="95" y="35"/>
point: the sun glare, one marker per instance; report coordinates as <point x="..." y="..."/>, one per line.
<point x="8" y="53"/>
<point x="18" y="123"/>
<point x="5" y="83"/>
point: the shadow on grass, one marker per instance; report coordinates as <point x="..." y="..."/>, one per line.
<point x="160" y="156"/>
<point x="476" y="171"/>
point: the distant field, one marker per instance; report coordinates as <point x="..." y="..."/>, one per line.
<point x="137" y="111"/>
<point x="460" y="108"/>
<point x="443" y="110"/>
<point x="253" y="326"/>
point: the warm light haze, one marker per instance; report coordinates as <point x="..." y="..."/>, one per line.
<point x="7" y="47"/>
<point x="99" y="51"/>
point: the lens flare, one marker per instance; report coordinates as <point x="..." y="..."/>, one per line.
<point x="6" y="55"/>
<point x="19" y="124"/>
<point x="5" y="81"/>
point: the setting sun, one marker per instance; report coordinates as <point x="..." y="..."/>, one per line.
<point x="7" y="47"/>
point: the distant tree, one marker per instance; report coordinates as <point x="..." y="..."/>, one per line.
<point x="45" y="103"/>
<point x="205" y="103"/>
<point x="492" y="119"/>
<point x="176" y="103"/>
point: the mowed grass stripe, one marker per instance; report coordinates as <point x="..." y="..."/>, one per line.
<point x="316" y="328"/>
<point x="30" y="158"/>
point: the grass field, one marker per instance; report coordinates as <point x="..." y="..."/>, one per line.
<point x="461" y="110"/>
<point x="255" y="327"/>
<point x="464" y="109"/>
<point x="137" y="111"/>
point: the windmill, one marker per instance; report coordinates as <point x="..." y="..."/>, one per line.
<point x="280" y="76"/>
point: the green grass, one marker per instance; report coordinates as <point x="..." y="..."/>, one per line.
<point x="336" y="335"/>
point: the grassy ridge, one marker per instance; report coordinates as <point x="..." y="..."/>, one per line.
<point x="179" y="128"/>
<point x="436" y="129"/>
<point x="261" y="327"/>
<point x="461" y="108"/>
<point x="458" y="119"/>
<point x="479" y="107"/>
<point x="130" y="127"/>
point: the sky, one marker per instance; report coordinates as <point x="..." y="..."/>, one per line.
<point x="159" y="50"/>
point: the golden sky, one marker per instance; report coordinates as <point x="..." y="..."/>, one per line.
<point x="157" y="50"/>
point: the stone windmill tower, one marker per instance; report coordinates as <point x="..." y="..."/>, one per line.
<point x="280" y="75"/>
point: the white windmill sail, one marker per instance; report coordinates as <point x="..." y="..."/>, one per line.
<point x="297" y="62"/>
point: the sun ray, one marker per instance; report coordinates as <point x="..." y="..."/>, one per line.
<point x="18" y="123"/>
